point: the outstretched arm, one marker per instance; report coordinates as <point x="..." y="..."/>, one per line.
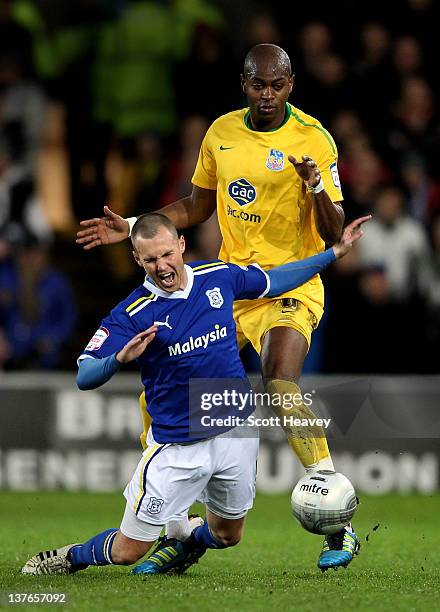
<point x="291" y="275"/>
<point x="112" y="228"/>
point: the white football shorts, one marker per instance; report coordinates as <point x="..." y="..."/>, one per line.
<point x="220" y="472"/>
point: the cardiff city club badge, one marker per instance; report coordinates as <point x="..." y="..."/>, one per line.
<point x="275" y="160"/>
<point x="154" y="505"/>
<point x="215" y="297"/>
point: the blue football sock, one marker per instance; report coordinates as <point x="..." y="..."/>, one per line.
<point x="203" y="536"/>
<point x="96" y="551"/>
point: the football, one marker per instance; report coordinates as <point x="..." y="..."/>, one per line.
<point x="324" y="502"/>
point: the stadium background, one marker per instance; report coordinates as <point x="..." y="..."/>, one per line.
<point x="107" y="102"/>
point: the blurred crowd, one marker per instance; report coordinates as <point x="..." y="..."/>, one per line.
<point x="107" y="101"/>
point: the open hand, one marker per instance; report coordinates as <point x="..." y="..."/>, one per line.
<point x="137" y="345"/>
<point x="306" y="169"/>
<point x="350" y="235"/>
<point x="109" y="229"/>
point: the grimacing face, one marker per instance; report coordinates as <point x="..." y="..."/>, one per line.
<point x="267" y="89"/>
<point x="162" y="259"/>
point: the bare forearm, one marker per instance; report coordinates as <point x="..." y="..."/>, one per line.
<point x="191" y="210"/>
<point x="329" y="218"/>
<point x="181" y="213"/>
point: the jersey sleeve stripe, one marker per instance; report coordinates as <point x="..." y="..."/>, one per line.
<point x="223" y="266"/>
<point x="134" y="304"/>
<point x="208" y="265"/>
<point x="318" y="127"/>
<point x="141" y="306"/>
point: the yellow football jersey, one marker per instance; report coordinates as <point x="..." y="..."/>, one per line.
<point x="264" y="211"/>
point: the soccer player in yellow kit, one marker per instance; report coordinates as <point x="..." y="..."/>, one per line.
<point x="271" y="172"/>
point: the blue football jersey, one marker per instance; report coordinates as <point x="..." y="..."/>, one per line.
<point x="196" y="337"/>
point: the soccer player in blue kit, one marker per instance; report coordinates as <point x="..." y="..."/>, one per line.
<point x="179" y="326"/>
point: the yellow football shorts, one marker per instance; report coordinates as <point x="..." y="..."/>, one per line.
<point x="253" y="321"/>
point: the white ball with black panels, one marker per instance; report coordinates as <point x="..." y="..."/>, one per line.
<point x="324" y="502"/>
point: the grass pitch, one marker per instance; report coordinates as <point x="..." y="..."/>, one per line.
<point x="273" y="567"/>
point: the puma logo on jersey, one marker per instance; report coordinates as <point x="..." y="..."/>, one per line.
<point x="165" y="323"/>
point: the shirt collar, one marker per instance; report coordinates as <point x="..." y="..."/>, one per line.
<point x="248" y="124"/>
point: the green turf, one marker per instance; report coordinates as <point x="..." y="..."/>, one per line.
<point x="274" y="566"/>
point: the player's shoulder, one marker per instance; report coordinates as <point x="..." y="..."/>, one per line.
<point x="133" y="303"/>
<point x="311" y="126"/>
<point x="219" y="268"/>
<point x="207" y="267"/>
<point x="227" y="121"/>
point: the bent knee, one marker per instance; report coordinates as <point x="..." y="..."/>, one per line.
<point x="226" y="538"/>
<point x="125" y="557"/>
